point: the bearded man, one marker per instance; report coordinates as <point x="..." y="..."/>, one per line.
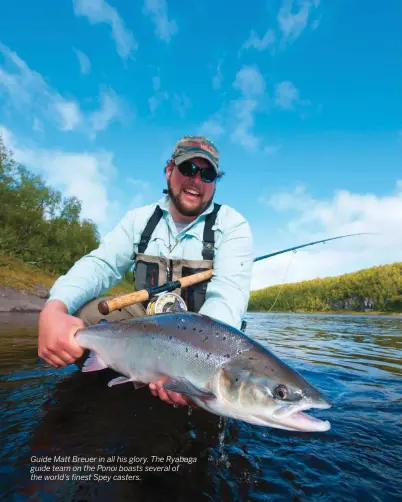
<point x="179" y="235"/>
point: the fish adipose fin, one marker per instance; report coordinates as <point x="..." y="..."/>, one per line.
<point x="93" y="363"/>
<point x="184" y="386"/>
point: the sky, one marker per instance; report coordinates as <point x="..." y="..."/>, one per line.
<point x="303" y="99"/>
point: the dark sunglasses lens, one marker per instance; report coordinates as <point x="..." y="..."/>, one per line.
<point x="208" y="174"/>
<point x="187" y="169"/>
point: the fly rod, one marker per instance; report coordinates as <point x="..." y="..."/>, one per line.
<point x="119" y="302"/>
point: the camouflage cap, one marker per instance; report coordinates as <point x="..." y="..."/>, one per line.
<point x="189" y="147"/>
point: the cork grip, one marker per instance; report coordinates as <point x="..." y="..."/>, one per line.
<point x="107" y="306"/>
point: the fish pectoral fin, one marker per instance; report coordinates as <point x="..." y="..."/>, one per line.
<point x="122" y="379"/>
<point x="93" y="363"/>
<point x="184" y="386"/>
<point x="118" y="381"/>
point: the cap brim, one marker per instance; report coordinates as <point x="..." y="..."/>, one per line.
<point x="195" y="153"/>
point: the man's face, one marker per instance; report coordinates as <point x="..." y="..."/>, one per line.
<point x="190" y="195"/>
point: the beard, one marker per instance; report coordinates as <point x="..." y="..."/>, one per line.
<point x="185" y="211"/>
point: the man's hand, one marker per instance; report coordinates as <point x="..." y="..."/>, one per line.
<point x="168" y="396"/>
<point x="56" y="342"/>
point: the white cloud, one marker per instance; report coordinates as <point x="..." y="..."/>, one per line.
<point x="181" y="104"/>
<point x="291" y="22"/>
<point x="69" y="114"/>
<point x="142" y="185"/>
<point x="157" y="10"/>
<point x="99" y="11"/>
<point x="217" y="79"/>
<point x="111" y="109"/>
<point x="83" y="175"/>
<point x="311" y="219"/>
<point x="37" y="125"/>
<point x="85" y="64"/>
<point x="242" y="134"/>
<point x="286" y="95"/>
<point x="249" y="81"/>
<point x="26" y="91"/>
<point x="251" y="85"/>
<point x="260" y="44"/>
<point x="212" y="128"/>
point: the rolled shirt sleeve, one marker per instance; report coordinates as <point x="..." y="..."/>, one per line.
<point x="228" y="292"/>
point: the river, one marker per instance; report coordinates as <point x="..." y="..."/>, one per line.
<point x="356" y="361"/>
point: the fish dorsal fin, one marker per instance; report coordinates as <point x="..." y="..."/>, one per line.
<point x="93" y="363"/>
<point x="184" y="386"/>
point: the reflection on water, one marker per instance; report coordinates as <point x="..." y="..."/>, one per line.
<point x="354" y="360"/>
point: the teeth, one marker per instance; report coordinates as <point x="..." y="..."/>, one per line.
<point x="193" y="192"/>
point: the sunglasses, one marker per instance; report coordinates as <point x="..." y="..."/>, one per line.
<point x="187" y="168"/>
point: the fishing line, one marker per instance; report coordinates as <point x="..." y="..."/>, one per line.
<point x="283" y="281"/>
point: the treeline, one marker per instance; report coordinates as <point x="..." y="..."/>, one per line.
<point x="372" y="289"/>
<point x="37" y="224"/>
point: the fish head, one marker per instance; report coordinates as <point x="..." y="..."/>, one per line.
<point x="260" y="388"/>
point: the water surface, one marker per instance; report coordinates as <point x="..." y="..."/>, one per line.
<point x="356" y="361"/>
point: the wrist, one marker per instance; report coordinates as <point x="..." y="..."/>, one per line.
<point x="56" y="306"/>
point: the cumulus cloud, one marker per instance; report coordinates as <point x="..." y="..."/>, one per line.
<point x="83" y="175"/>
<point x="292" y="20"/>
<point x="251" y="85"/>
<point x="26" y="91"/>
<point x="99" y="11"/>
<point x="157" y="11"/>
<point x="260" y="44"/>
<point x="212" y="128"/>
<point x="84" y="62"/>
<point x="311" y="219"/>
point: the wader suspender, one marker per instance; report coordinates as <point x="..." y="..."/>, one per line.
<point x="208" y="238"/>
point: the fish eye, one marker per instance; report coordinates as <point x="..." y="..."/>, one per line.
<point x="280" y="392"/>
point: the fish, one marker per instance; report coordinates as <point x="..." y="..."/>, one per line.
<point x="216" y="366"/>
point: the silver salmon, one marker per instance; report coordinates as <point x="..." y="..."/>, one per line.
<point x="215" y="365"/>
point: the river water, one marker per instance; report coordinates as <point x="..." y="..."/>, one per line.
<point x="356" y="361"/>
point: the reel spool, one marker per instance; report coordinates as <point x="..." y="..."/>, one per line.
<point x="166" y="302"/>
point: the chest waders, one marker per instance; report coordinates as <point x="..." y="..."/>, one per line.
<point x="152" y="271"/>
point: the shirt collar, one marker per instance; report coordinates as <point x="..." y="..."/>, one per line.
<point x="192" y="228"/>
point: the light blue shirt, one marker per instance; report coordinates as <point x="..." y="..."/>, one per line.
<point x="228" y="291"/>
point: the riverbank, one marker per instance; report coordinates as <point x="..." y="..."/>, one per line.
<point x="24" y="288"/>
<point x="327" y="312"/>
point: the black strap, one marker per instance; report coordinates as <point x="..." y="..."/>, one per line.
<point x="209" y="234"/>
<point x="148" y="230"/>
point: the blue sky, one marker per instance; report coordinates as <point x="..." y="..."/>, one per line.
<point x="302" y="98"/>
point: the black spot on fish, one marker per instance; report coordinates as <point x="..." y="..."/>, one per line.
<point x="178" y="327"/>
<point x="251" y="358"/>
<point x="209" y="355"/>
<point x="184" y="327"/>
<point x="205" y="339"/>
<point x="196" y="355"/>
<point x="170" y="337"/>
<point x="237" y="379"/>
<point x="227" y="356"/>
<point x="224" y="338"/>
<point x="194" y="329"/>
<point x="200" y="331"/>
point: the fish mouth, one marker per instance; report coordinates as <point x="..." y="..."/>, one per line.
<point x="293" y="417"/>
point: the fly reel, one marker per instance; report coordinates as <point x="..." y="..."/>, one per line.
<point x="166" y="302"/>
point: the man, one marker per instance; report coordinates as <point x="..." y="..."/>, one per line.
<point x="181" y="234"/>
